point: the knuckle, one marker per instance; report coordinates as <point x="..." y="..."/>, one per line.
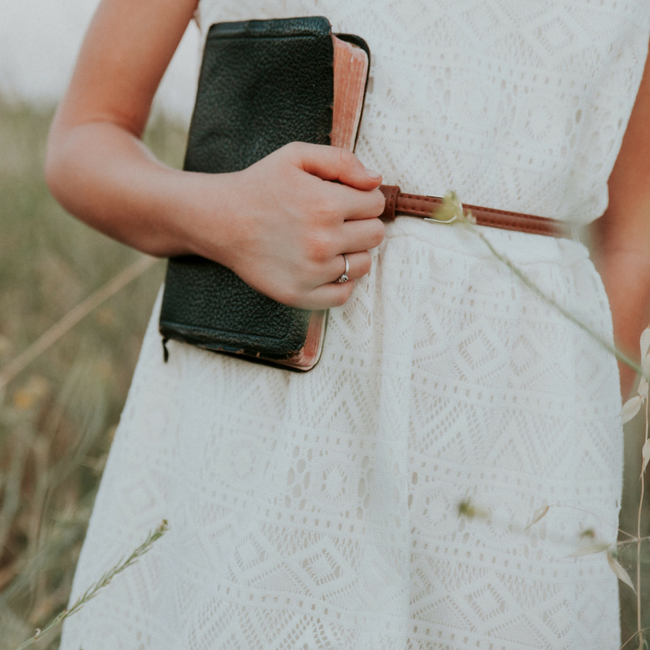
<point x="380" y="202"/>
<point x="327" y="209"/>
<point x="294" y="150"/>
<point x="327" y="206"/>
<point x="378" y="233"/>
<point x="365" y="264"/>
<point x="319" y="249"/>
<point x="346" y="158"/>
<point x="382" y="231"/>
<point x="292" y="147"/>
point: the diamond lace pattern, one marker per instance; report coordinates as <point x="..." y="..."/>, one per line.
<point x="320" y="511"/>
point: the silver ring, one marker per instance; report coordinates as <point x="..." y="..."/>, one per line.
<point x="344" y="276"/>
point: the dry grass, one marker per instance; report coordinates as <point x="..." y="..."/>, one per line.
<point x="634" y="439"/>
<point x="58" y="415"/>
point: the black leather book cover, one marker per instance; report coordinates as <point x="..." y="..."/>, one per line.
<point x="263" y="84"/>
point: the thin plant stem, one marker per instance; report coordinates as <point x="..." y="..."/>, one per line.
<point x="638" y="545"/>
<point x="452" y="211"/>
<point x="632" y="539"/>
<point x="623" y="358"/>
<point x="52" y="335"/>
<point x="104" y="581"/>
<point x="633" y="637"/>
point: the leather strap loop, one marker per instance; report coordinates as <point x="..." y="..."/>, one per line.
<point x="416" y="205"/>
<point x="390" y="193"/>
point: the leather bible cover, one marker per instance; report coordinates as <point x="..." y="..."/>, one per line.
<point x="263" y="84"/>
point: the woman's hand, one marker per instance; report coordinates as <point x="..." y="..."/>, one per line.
<point x="287" y="223"/>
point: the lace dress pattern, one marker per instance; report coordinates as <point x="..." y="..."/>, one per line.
<point x="321" y="511"/>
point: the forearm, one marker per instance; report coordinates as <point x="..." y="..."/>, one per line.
<point x="623" y="233"/>
<point x="105" y="176"/>
<point x="626" y="276"/>
<point x="281" y="225"/>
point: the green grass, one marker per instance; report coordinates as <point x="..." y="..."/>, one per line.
<point x="59" y="414"/>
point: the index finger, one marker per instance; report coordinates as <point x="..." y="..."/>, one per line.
<point x="359" y="204"/>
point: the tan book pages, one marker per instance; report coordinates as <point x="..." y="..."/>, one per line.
<point x="350" y="72"/>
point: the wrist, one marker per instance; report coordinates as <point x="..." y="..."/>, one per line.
<point x="198" y="213"/>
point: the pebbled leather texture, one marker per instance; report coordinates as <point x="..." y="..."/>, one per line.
<point x="263" y="84"/>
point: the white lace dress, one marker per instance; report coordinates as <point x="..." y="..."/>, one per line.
<point x="321" y="511"/>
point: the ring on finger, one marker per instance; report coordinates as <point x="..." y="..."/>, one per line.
<point x="344" y="276"/>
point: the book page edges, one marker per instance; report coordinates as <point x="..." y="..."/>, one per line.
<point x="350" y="72"/>
<point x="309" y="355"/>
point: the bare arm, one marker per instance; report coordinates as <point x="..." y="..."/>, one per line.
<point x="292" y="223"/>
<point x="623" y="234"/>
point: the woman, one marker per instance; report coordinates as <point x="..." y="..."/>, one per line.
<point x="321" y="511"/>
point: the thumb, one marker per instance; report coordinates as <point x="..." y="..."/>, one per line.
<point x="335" y="164"/>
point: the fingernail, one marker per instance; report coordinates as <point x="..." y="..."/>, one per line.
<point x="372" y="173"/>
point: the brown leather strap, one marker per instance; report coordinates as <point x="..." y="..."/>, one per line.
<point x="416" y="205"/>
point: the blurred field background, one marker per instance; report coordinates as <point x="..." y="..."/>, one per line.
<point x="58" y="415"/>
<point x="39" y="41"/>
